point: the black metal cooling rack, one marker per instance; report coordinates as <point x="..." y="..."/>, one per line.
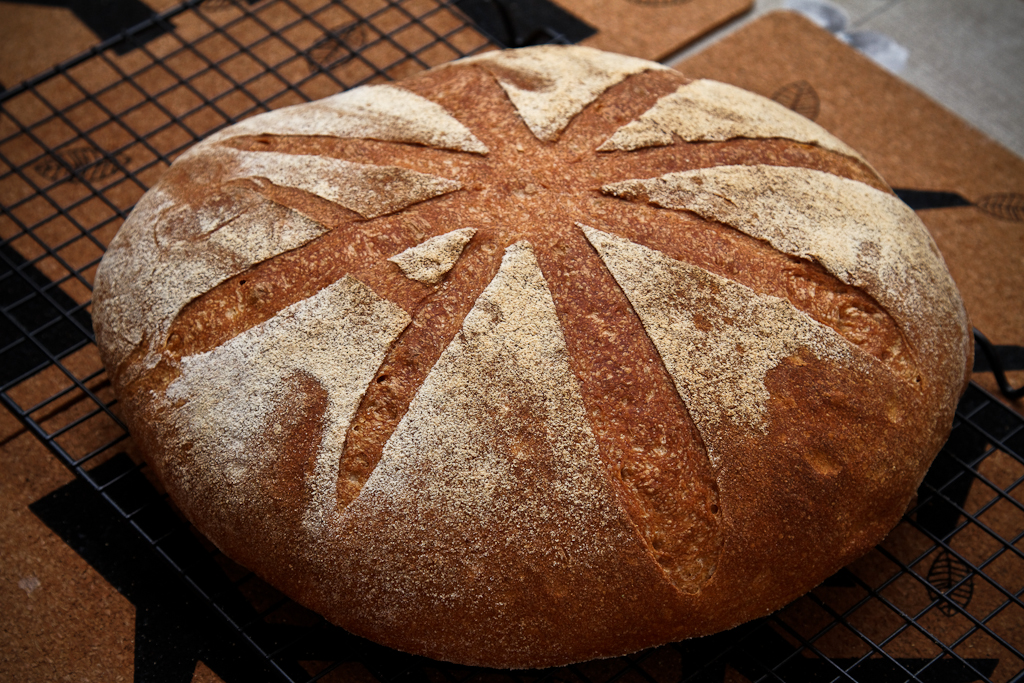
<point x="939" y="600"/>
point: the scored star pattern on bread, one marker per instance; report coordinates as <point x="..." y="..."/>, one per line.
<point x="512" y="205"/>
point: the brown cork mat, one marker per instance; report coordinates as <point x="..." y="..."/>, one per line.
<point x="913" y="142"/>
<point x="37" y="36"/>
<point x="84" y="598"/>
<point x="652" y="29"/>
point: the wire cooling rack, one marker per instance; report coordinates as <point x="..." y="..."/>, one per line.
<point x="939" y="600"/>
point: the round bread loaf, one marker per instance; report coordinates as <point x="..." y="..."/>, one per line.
<point x="536" y="357"/>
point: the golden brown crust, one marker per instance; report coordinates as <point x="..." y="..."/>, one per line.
<point x="468" y="410"/>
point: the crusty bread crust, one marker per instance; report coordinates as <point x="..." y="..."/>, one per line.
<point x="541" y="356"/>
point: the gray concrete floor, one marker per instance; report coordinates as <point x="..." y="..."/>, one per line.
<point x="966" y="54"/>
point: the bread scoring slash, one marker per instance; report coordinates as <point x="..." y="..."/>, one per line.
<point x="540" y="356"/>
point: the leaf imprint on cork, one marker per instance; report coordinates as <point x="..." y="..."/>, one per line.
<point x="338" y="336"/>
<point x="431" y="260"/>
<point x="718" y="338"/>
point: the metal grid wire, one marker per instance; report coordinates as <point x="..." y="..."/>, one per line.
<point x="939" y="600"/>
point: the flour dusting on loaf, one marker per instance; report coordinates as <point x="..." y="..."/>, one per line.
<point x="429" y="261"/>
<point x="147" y="277"/>
<point x="709" y="111"/>
<point x="229" y="396"/>
<point x="370" y="191"/>
<point x="718" y="338"/>
<point x="375" y="112"/>
<point x="507" y="370"/>
<point x="551" y="85"/>
<point x="864" y="237"/>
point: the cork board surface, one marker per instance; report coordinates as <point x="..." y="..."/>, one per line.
<point x="60" y="616"/>
<point x="81" y="607"/>
<point x="652" y="29"/>
<point x="912" y="141"/>
<point x="35" y="37"/>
